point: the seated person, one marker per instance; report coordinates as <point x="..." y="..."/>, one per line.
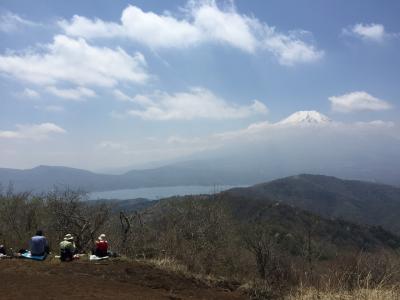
<point x="38" y="244"/>
<point x="67" y="248"/>
<point x="101" y="246"/>
<point x="3" y="250"/>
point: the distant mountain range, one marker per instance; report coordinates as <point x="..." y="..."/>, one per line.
<point x="224" y="171"/>
<point x="44" y="178"/>
<point x="305" y="142"/>
<point x="330" y="197"/>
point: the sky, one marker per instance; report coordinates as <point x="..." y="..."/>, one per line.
<point x="103" y="85"/>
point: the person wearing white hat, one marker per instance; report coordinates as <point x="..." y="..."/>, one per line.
<point x="67" y="248"/>
<point x="2" y="250"/>
<point x="101" y="249"/>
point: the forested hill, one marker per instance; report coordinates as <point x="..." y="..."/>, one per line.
<point x="356" y="201"/>
<point x="238" y="216"/>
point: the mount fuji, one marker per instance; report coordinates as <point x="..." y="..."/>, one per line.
<point x="306" y="118"/>
<point x="300" y="143"/>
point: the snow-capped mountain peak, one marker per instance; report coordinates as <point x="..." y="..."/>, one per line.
<point x="308" y="117"/>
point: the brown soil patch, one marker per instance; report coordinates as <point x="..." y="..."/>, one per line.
<point x="114" y="279"/>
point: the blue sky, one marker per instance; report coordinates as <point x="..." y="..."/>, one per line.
<point x="101" y="84"/>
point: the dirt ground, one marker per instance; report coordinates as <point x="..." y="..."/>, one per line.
<point x="117" y="279"/>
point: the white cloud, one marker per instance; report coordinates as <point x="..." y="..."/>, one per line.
<point x="138" y="99"/>
<point x="33" y="131"/>
<point x="374" y="32"/>
<point x="110" y="145"/>
<point x="152" y="149"/>
<point x="121" y="95"/>
<point x="224" y="26"/>
<point x="357" y="101"/>
<point x="75" y="61"/>
<point x="201" y="22"/>
<point x="368" y="32"/>
<point x="156" y="31"/>
<point x="53" y="108"/>
<point x="290" y="49"/>
<point x="196" y="103"/>
<point x="29" y="93"/>
<point x="251" y="130"/>
<point x="376" y="124"/>
<point x="78" y="93"/>
<point x="10" y="22"/>
<point x="83" y="27"/>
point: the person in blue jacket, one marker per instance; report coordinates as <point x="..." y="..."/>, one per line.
<point x="38" y="244"/>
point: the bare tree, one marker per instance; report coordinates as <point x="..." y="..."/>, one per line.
<point x="70" y="215"/>
<point x="272" y="260"/>
<point x="20" y="216"/>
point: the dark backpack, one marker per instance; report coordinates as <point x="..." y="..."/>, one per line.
<point x="66" y="255"/>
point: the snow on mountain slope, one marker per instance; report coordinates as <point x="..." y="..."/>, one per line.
<point x="310" y="117"/>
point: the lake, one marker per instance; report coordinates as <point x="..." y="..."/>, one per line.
<point x="154" y="193"/>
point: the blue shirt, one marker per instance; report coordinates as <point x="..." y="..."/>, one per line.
<point x="38" y="245"/>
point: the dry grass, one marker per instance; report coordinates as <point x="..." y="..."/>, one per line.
<point x="172" y="265"/>
<point x="359" y="294"/>
<point x="169" y="264"/>
<point x="258" y="289"/>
